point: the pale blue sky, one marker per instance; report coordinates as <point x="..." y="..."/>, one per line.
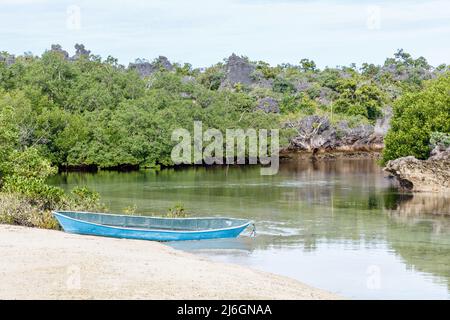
<point x="204" y="32"/>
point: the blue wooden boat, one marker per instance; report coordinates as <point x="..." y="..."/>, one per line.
<point x="150" y="228"/>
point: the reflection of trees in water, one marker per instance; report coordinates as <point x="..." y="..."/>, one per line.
<point x="337" y="166"/>
<point x="426" y="244"/>
<point x="422" y="241"/>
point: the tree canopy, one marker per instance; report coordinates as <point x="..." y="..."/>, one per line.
<point x="88" y="111"/>
<point x="417" y="115"/>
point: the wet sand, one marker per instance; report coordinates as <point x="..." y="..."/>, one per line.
<point x="48" y="264"/>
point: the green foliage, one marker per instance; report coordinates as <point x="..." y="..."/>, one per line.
<point x="369" y="70"/>
<point x="416" y="116"/>
<point x="177" y="211"/>
<point x="355" y="99"/>
<point x="93" y="112"/>
<point x="30" y="164"/>
<point x="87" y="111"/>
<point x="27" y="198"/>
<point x="130" y="209"/>
<point x="329" y="78"/>
<point x="84" y="197"/>
<point x="298" y="103"/>
<point x="282" y="85"/>
<point x="267" y="71"/>
<point x="25" y="173"/>
<point x="9" y="137"/>
<point x="307" y="65"/>
<point x="35" y="189"/>
<point x="212" y="77"/>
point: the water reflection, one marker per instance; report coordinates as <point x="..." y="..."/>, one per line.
<point x="323" y="222"/>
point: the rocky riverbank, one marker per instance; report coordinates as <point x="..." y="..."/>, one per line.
<point x="431" y="175"/>
<point x="317" y="134"/>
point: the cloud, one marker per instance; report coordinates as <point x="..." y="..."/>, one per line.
<point x="204" y="31"/>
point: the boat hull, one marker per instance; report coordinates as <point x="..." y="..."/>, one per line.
<point x="83" y="227"/>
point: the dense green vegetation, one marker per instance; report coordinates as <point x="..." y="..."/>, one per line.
<point x="85" y="111"/>
<point x="421" y="120"/>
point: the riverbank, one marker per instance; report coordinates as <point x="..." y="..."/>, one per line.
<point x="48" y="264"/>
<point x="329" y="154"/>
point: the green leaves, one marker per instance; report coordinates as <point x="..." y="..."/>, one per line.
<point x="94" y="112"/>
<point x="30" y="164"/>
<point x="283" y="85"/>
<point x="416" y="117"/>
<point x="9" y="137"/>
<point x="356" y="98"/>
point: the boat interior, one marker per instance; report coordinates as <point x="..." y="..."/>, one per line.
<point x="147" y="222"/>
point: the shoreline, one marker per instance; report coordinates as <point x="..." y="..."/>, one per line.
<point x="330" y="155"/>
<point x="342" y="153"/>
<point x="50" y="264"/>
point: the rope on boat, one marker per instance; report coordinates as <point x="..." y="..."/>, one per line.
<point x="253" y="233"/>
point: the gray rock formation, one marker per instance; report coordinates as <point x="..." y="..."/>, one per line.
<point x="439" y="151"/>
<point x="383" y="124"/>
<point x="237" y="70"/>
<point x="163" y="63"/>
<point x="357" y="137"/>
<point x="316" y="133"/>
<point x="57" y="48"/>
<point x="80" y="51"/>
<point x="406" y="72"/>
<point x="188" y="79"/>
<point x="432" y="175"/>
<point x="325" y="96"/>
<point x="268" y="105"/>
<point x="8" y="59"/>
<point x="303" y="86"/>
<point x="145" y="68"/>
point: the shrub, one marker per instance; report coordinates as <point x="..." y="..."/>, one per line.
<point x="416" y="116"/>
<point x="177" y="211"/>
<point x="20" y="210"/>
<point x="26" y="199"/>
<point x="355" y="99"/>
<point x="34" y="188"/>
<point x="282" y="85"/>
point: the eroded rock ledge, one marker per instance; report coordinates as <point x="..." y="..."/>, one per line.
<point x="431" y="175"/>
<point x="317" y="134"/>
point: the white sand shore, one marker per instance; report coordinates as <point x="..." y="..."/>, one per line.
<point x="46" y="264"/>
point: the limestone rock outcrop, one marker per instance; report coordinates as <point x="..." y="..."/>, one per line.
<point x="237" y="70"/>
<point x="316" y="134"/>
<point x="145" y="68"/>
<point x="431" y="175"/>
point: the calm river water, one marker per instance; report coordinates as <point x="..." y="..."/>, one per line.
<point x="338" y="225"/>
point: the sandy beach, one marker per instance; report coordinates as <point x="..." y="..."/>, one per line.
<point x="47" y="264"/>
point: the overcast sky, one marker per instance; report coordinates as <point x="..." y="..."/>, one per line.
<point x="204" y="32"/>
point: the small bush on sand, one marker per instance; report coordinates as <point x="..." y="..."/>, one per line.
<point x="25" y="197"/>
<point x="19" y="210"/>
<point x="32" y="211"/>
